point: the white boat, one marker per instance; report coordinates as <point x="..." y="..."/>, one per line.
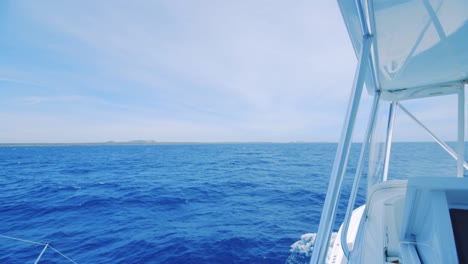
<point x="406" y="49"/>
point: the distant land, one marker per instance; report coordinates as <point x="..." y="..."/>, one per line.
<point x="110" y="143"/>
<point x="154" y="142"/>
<point x="139" y="142"/>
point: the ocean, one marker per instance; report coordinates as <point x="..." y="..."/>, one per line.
<point x="175" y="203"/>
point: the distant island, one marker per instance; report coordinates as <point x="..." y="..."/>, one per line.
<point x="131" y="142"/>
<point x="110" y="143"/>
<point x="154" y="142"/>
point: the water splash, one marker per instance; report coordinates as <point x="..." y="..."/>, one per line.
<point x="301" y="250"/>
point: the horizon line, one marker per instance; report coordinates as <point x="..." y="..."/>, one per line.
<point x="152" y="142"/>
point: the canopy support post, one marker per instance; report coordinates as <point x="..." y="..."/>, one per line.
<point x="357" y="177"/>
<point x="437" y="139"/>
<point x="388" y="143"/>
<point x="339" y="168"/>
<point x="461" y="132"/>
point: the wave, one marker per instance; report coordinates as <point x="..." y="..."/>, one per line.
<point x="301" y="250"/>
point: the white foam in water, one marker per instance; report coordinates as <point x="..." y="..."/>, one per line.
<point x="302" y="250"/>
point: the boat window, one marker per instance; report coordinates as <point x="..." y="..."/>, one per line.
<point x="377" y="147"/>
<point x="414" y="153"/>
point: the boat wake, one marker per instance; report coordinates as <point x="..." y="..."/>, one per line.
<point x="301" y="250"/>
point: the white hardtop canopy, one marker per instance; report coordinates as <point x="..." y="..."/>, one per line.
<point x="406" y="49"/>
<point x="420" y="47"/>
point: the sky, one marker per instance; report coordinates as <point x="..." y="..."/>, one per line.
<point x="178" y="71"/>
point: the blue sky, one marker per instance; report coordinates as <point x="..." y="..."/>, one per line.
<point x="92" y="71"/>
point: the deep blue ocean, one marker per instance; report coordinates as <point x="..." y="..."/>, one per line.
<point x="180" y="203"/>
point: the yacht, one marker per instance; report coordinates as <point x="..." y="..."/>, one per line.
<point x="406" y="50"/>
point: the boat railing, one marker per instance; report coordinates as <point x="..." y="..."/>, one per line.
<point x="339" y="167"/>
<point x="434" y="136"/>
<point x="459" y="157"/>
<point x="357" y="177"/>
<point x="45" y="247"/>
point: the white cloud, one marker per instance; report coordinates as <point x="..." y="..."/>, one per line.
<point x="254" y="70"/>
<point x="268" y="67"/>
<point x="256" y="50"/>
<point x="52" y="99"/>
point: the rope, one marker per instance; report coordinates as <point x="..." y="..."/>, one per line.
<point x="63" y="255"/>
<point x="47" y="245"/>
<point x="23" y="240"/>
<point x="40" y="255"/>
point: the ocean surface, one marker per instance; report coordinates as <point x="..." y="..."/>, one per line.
<point x="188" y="203"/>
